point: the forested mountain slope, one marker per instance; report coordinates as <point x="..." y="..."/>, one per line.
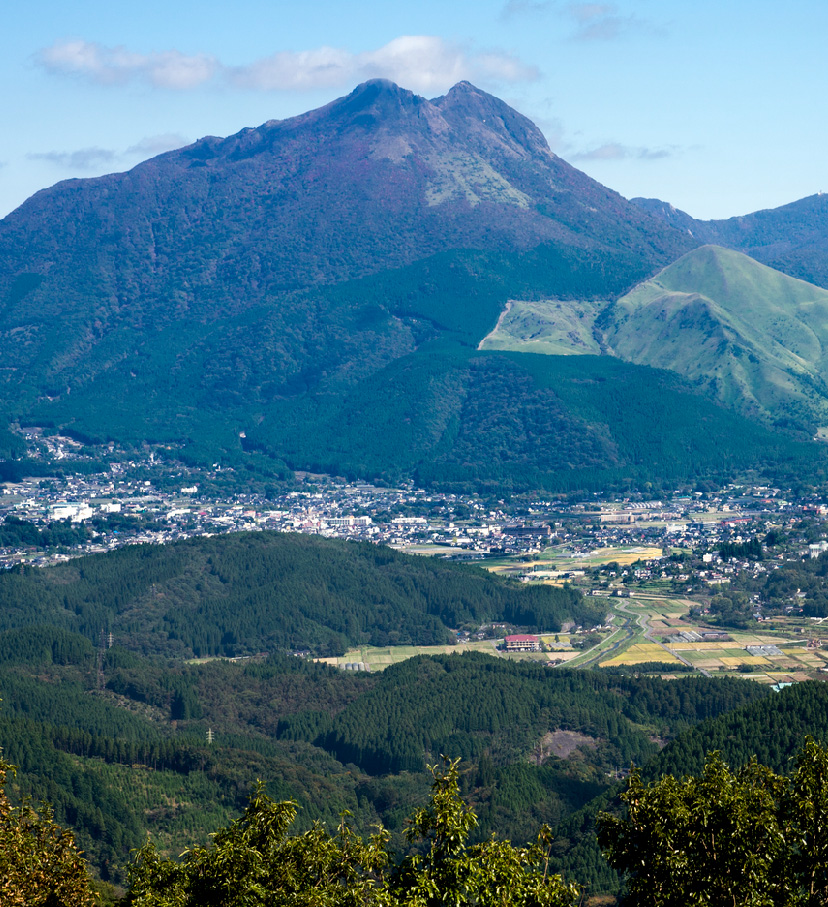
<point x="771" y="729"/>
<point x="118" y="744"/>
<point x="101" y="277"/>
<point x="245" y="593"/>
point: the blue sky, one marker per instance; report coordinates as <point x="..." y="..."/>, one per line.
<point x="716" y="107"/>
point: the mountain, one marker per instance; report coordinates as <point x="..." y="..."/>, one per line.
<point x="793" y="238"/>
<point x="375" y="180"/>
<point x="312" y="294"/>
<point x="756" y="337"/>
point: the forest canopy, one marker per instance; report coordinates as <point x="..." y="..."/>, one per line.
<point x="246" y="593"/>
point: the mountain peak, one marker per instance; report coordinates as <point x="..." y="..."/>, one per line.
<point x="376" y="87"/>
<point x="475" y="113"/>
<point x="373" y="102"/>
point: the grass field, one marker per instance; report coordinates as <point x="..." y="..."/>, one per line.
<point x="550" y="326"/>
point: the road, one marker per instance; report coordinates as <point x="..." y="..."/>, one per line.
<point x="643" y="621"/>
<point x="596" y="653"/>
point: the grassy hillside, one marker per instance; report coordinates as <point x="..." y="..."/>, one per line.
<point x="792" y="238"/>
<point x="742" y="333"/>
<point x="756" y="337"/>
<point x="749" y="336"/>
<point x="552" y="327"/>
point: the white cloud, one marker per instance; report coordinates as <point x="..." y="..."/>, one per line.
<point x="515" y="8"/>
<point x="116" y="65"/>
<point x="423" y="63"/>
<point x="614" y="151"/>
<point x="81" y="159"/>
<point x="304" y="70"/>
<point x="604" y="22"/>
<point x="98" y="159"/>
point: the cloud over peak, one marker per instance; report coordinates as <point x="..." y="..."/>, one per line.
<point x="420" y="62"/>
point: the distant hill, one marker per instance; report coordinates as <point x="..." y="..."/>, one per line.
<point x="245" y="593"/>
<point x="792" y="238"/>
<point x="757" y="338"/>
<point x="748" y="335"/>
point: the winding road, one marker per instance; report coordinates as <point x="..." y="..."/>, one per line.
<point x="632" y="620"/>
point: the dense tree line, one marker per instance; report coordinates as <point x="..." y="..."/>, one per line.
<point x="748" y="837"/>
<point x="466" y="420"/>
<point x="471" y="704"/>
<point x="39" y="861"/>
<point x="116" y="742"/>
<point x="750" y="550"/>
<point x="771" y="730"/>
<point x="251" y="592"/>
<point x="17" y="533"/>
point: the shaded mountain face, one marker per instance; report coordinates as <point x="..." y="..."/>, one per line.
<point x="375" y="180"/>
<point x="317" y="289"/>
<point x="793" y="238"/>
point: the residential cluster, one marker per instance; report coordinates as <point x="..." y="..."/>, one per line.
<point x="148" y="498"/>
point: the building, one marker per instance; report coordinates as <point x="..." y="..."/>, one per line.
<point x="522" y="643"/>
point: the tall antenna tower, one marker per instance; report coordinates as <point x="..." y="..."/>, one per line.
<point x="101" y="651"/>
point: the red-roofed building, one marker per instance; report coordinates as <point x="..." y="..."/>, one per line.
<point x="522" y="643"/>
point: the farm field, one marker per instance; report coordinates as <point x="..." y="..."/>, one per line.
<point x="624" y="555"/>
<point x="378" y="658"/>
<point x="561" y="560"/>
<point x="653" y="620"/>
<point x="642" y="627"/>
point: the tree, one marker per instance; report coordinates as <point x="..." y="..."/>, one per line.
<point x="255" y="862"/>
<point x="749" y="838"/>
<point x="491" y="874"/>
<point x="40" y="866"/>
<point x="805" y="811"/>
